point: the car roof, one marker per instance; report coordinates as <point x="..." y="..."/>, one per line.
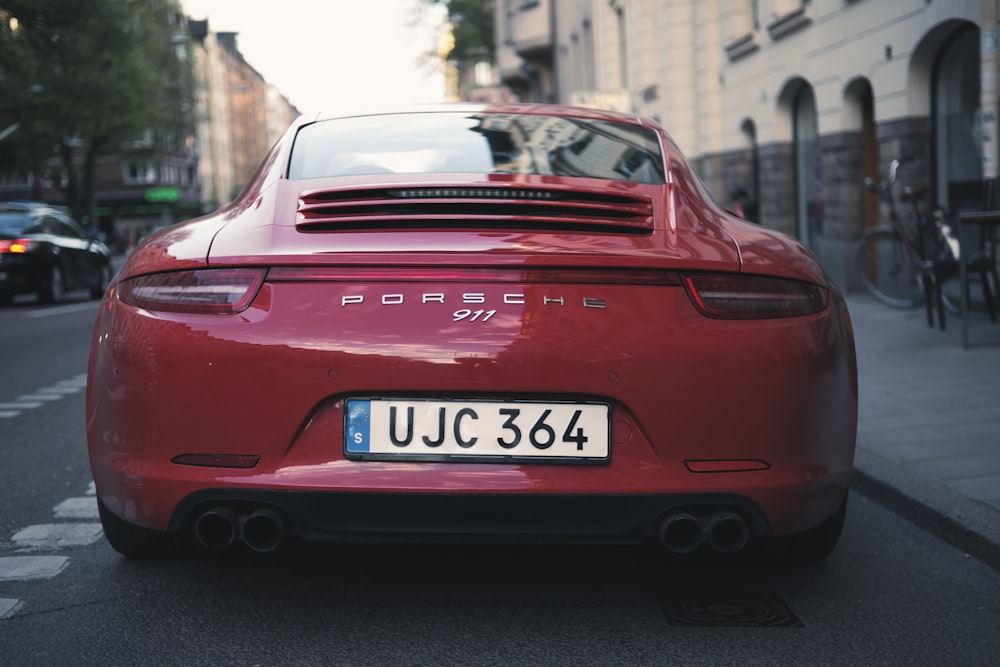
<point x="26" y="206"/>
<point x="507" y="108"/>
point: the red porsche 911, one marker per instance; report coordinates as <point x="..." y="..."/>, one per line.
<point x="515" y="323"/>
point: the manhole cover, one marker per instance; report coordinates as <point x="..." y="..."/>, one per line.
<point x="758" y="610"/>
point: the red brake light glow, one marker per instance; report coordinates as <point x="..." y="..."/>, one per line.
<point x="210" y="291"/>
<point x="18" y="246"/>
<point x="742" y="297"/>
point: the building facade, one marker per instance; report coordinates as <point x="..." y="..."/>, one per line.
<point x="240" y="115"/>
<point x="156" y="180"/>
<point x="784" y="106"/>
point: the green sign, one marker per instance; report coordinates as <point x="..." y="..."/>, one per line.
<point x="163" y="194"/>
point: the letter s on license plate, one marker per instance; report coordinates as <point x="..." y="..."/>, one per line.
<point x="498" y="431"/>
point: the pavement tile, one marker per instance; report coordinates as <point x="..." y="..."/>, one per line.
<point x="929" y="421"/>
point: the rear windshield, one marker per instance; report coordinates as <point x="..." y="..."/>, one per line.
<point x="476" y="143"/>
<point x="12" y="222"/>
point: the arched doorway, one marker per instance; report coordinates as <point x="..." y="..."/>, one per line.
<point x="808" y="167"/>
<point x="957" y="122"/>
<point x="751" y="200"/>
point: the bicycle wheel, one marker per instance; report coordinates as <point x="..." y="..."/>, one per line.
<point x="886" y="270"/>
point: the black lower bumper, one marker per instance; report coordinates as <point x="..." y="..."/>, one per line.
<point x="377" y="517"/>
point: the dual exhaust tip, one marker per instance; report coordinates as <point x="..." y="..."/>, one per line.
<point x="218" y="528"/>
<point x="683" y="532"/>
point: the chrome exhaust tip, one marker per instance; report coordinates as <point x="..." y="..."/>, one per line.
<point x="263" y="530"/>
<point x="681" y="532"/>
<point x="215" y="529"/>
<point x="728" y="532"/>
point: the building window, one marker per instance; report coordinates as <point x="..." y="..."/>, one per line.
<point x="958" y="123"/>
<point x="139" y="172"/>
<point x="622" y="46"/>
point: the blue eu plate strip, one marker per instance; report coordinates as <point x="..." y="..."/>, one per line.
<point x="359" y="413"/>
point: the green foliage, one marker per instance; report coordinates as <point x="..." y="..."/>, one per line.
<point x="81" y="77"/>
<point x="472" y="26"/>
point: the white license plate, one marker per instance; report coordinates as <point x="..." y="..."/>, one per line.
<point x="440" y="430"/>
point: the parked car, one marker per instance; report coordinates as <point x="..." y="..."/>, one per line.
<point x="44" y="251"/>
<point x="499" y="323"/>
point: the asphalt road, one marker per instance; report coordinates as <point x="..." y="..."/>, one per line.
<point x="890" y="594"/>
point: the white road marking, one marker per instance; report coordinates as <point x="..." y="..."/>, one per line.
<point x="57" y="535"/>
<point x="21" y="568"/>
<point x="8" y="606"/>
<point x="42" y="396"/>
<point x="77" y="508"/>
<point x="59" y="392"/>
<point x="38" y="397"/>
<point x="61" y="310"/>
<point x="51" y="536"/>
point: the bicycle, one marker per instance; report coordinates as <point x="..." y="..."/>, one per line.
<point x="903" y="264"/>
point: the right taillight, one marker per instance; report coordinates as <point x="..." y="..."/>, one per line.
<point x="210" y="291"/>
<point x="743" y="297"/>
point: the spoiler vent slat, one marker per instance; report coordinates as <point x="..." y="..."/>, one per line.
<point x="465" y="207"/>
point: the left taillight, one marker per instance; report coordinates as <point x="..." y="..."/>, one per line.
<point x="16" y="246"/>
<point x="743" y="297"/>
<point x="209" y="291"/>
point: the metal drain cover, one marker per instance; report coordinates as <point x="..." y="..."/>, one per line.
<point x="755" y="610"/>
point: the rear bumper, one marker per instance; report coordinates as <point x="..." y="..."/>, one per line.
<point x="490" y="518"/>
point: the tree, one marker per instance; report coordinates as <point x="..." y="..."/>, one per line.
<point x="471" y="24"/>
<point x="83" y="77"/>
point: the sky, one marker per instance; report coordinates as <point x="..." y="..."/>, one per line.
<point x="333" y="55"/>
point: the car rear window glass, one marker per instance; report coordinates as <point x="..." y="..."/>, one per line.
<point x="477" y="143"/>
<point x="14" y="223"/>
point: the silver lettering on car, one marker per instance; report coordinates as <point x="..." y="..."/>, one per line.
<point x="472" y="315"/>
<point x="510" y="298"/>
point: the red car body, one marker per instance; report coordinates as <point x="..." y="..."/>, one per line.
<point x="716" y="356"/>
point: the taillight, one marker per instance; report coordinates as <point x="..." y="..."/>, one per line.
<point x="212" y="291"/>
<point x="741" y="297"/>
<point x="17" y="246"/>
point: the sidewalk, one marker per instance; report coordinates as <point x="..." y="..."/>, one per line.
<point x="929" y="422"/>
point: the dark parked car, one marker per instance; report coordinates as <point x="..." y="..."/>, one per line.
<point x="42" y="250"/>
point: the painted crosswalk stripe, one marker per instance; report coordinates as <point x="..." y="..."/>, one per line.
<point x="57" y="535"/>
<point x="8" y="606"/>
<point x="39" y="397"/>
<point x="77" y="508"/>
<point x="22" y="568"/>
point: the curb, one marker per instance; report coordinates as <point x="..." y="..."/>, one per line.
<point x="961" y="521"/>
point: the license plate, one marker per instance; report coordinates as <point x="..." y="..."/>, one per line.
<point x="497" y="431"/>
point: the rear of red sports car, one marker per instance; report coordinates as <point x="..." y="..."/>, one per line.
<point x="521" y="323"/>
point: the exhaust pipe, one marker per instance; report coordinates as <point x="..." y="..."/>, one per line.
<point x="728" y="532"/>
<point x="215" y="528"/>
<point x="263" y="530"/>
<point x="681" y="533"/>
